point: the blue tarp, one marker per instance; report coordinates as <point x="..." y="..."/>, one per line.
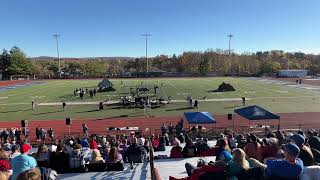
<point x="199" y="118"/>
<point x="256" y="113"/>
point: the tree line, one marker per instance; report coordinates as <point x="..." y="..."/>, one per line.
<point x="200" y="63"/>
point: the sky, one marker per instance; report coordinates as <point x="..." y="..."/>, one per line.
<point x="96" y="28"/>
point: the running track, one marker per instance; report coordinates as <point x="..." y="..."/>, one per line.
<point x="99" y="126"/>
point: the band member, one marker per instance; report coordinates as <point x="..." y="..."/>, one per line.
<point x="64" y="106"/>
<point x="243" y="101"/>
<point x="33" y="104"/>
<point x="195" y="104"/>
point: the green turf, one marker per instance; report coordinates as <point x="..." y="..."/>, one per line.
<point x="15" y="104"/>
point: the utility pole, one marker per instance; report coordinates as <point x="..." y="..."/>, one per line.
<point x="230" y="36"/>
<point x="56" y="36"/>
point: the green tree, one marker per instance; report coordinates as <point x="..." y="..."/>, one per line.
<point x="19" y="63"/>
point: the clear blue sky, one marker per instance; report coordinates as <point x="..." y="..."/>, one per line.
<point x="112" y="27"/>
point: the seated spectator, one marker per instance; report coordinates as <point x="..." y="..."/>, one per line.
<point x="176" y="151"/>
<point x="269" y="149"/>
<point x="96" y="157"/>
<point x="181" y="138"/>
<point x="305" y="154"/>
<point x="291" y="167"/>
<point x="251" y="148"/>
<point x="162" y="144"/>
<point x="313" y="141"/>
<point x="281" y="138"/>
<point x="146" y="146"/>
<point x="93" y="143"/>
<point x="114" y="156"/>
<point x="238" y="164"/>
<point x="189" y="149"/>
<point x="76" y="150"/>
<point x="15" y="151"/>
<point x="241" y="141"/>
<point x="84" y="142"/>
<point x="59" y="160"/>
<point x="4" y="161"/>
<point x="135" y="153"/>
<point x="42" y="156"/>
<point x="30" y="174"/>
<point x="223" y="151"/>
<point x="232" y="141"/>
<point x="22" y="162"/>
<point x="167" y="141"/>
<point x="203" y="149"/>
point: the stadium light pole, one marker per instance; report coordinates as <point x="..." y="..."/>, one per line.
<point x="57" y="36"/>
<point x="146" y="37"/>
<point x="230" y="36"/>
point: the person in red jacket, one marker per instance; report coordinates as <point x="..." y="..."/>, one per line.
<point x="216" y="167"/>
<point x="93" y="143"/>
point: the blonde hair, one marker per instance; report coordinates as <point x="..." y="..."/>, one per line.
<point x="31" y="174"/>
<point x="239" y="156"/>
<point x="4" y="175"/>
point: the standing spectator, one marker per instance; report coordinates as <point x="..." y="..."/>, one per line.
<point x="22" y="162"/>
<point x="38" y="133"/>
<point x="25" y="132"/>
<point x="171" y="127"/>
<point x="85" y="130"/>
<point x="51" y="134"/>
<point x="43" y="135"/>
<point x="17" y="134"/>
<point x="5" y="135"/>
<point x="15" y="151"/>
<point x="163" y="129"/>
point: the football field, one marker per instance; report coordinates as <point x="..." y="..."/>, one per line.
<point x="15" y="102"/>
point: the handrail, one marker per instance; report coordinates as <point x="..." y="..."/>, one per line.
<point x="151" y="158"/>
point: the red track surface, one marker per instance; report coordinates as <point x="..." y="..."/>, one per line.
<point x="99" y="126"/>
<point x="8" y="83"/>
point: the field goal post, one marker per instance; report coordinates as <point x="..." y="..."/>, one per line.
<point x="19" y="77"/>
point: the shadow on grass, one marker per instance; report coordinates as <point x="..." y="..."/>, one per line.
<point x="230" y="107"/>
<point x="94" y="110"/>
<point x="15" y="111"/>
<point x="50" y="112"/>
<point x="177" y="109"/>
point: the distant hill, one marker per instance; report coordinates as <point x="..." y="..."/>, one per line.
<point x="48" y="58"/>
